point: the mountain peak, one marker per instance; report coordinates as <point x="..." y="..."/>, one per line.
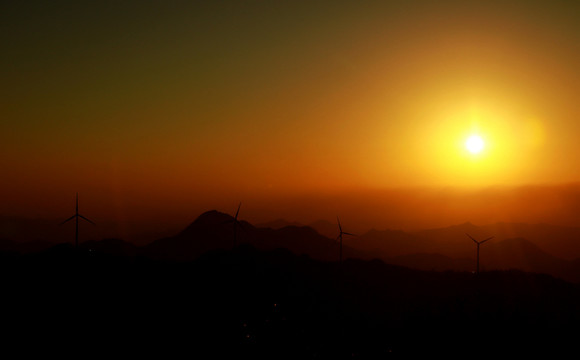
<point x="212" y="217"/>
<point x="209" y="218"/>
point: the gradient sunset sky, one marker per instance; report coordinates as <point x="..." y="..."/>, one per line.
<point x="167" y="108"/>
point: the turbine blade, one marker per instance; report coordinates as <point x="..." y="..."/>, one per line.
<point x="475" y="241"/>
<point x="345" y="233"/>
<point x="489" y="238"/>
<point x="237" y="212"/>
<point x="67" y="220"/>
<point x="87" y="219"/>
<point x="339" y="227"/>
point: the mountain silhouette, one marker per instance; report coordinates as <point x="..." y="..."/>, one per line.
<point x="278" y="224"/>
<point x="209" y="218"/>
<point x="213" y="230"/>
<point x="210" y="231"/>
<point x="431" y="262"/>
<point x="452" y="240"/>
<point x="276" y="304"/>
<point x="517" y="253"/>
<point x="391" y="243"/>
<point x="559" y="241"/>
<point x="326" y="228"/>
<point x="24" y="246"/>
<point x="522" y="254"/>
<point x="114" y="247"/>
<point x="440" y="249"/>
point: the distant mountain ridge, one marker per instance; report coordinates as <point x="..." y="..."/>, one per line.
<point x="434" y="249"/>
<point x="560" y="241"/>
<point x="213" y="230"/>
<point x="278" y="224"/>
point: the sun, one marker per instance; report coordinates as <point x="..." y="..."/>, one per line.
<point x="474" y="144"/>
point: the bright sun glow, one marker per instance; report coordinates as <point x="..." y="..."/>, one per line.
<point x="474" y="144"/>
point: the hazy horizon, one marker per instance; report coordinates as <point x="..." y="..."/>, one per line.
<point x="410" y="209"/>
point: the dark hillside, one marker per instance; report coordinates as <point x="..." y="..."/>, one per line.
<point x="276" y="304"/>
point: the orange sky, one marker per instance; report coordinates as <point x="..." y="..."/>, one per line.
<point x="166" y="108"/>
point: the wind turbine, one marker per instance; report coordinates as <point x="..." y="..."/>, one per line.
<point x="236" y="224"/>
<point x="76" y="216"/>
<point x="339" y="237"/>
<point x="478" y="243"/>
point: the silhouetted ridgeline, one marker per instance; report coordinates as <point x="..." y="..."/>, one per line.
<point x="212" y="231"/>
<point x="439" y="249"/>
<point x="436" y="249"/>
<point x="274" y="304"/>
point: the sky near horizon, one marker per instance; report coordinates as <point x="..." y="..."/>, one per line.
<point x="163" y="103"/>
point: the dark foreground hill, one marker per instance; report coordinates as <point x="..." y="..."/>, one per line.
<point x="274" y="304"/>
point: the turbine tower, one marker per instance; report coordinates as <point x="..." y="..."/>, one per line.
<point x="478" y="243"/>
<point x="76" y="216"/>
<point x="339" y="237"/>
